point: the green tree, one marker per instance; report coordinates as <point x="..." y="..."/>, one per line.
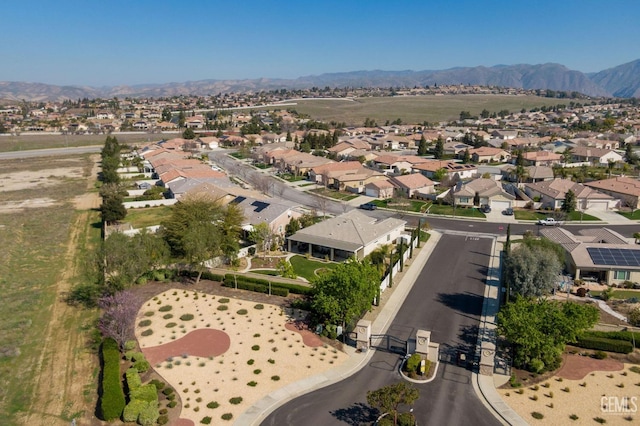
<point x="200" y="228"/>
<point x="112" y="209"/>
<point x="531" y="271"/>
<point x="189" y="133"/>
<point x="262" y="235"/>
<point x="539" y="329"/>
<point x="438" y="150"/>
<point x="285" y="269"/>
<point x="466" y="158"/>
<point x="388" y="399"/>
<point x="570" y="202"/>
<point x="422" y="146"/>
<point x="343" y="294"/>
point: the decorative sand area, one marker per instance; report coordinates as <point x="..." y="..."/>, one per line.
<point x="227" y="353"/>
<point x="578" y="389"/>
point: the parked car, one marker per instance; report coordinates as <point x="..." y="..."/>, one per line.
<point x="508" y="211"/>
<point x="549" y="222"/>
<point x="485" y="208"/>
<point x="368" y="206"/>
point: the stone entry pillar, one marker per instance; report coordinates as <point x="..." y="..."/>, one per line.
<point x="363" y="334"/>
<point x="423" y="338"/>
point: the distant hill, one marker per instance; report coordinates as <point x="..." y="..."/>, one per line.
<point x="621" y="81"/>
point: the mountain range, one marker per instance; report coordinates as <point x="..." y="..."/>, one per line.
<point x="621" y="81"/>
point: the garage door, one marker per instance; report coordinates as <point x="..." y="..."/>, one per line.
<point x="600" y="206"/>
<point x="500" y="205"/>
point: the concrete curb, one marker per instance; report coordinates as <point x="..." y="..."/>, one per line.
<point x="256" y="414"/>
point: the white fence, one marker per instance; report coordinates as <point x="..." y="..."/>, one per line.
<point x="149" y="203"/>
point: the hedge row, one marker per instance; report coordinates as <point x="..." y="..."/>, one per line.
<point x="604" y="344"/>
<point x="112" y="401"/>
<point x="615" y="335"/>
<point x="260" y="283"/>
<point x="133" y="379"/>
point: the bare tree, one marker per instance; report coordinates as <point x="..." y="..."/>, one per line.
<point x="119" y="316"/>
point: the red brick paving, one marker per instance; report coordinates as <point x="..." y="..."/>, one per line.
<point x="576" y="367"/>
<point x="204" y="343"/>
<point x="309" y="338"/>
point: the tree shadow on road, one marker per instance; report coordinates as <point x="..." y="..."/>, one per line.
<point x="356" y="415"/>
<point x="465" y="303"/>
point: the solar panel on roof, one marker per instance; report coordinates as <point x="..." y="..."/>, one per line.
<point x="614" y="257"/>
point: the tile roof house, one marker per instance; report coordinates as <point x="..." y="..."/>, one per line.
<point x="451" y="168"/>
<point x="597" y="156"/>
<point x="487" y="154"/>
<point x="345" y="148"/>
<point x="354" y="180"/>
<point x="320" y="174"/>
<point x="382" y="189"/>
<point x="552" y="194"/>
<point x="455" y="148"/>
<point x="482" y="192"/>
<point x="626" y="189"/>
<point x="541" y="158"/>
<point x="352" y="234"/>
<point x="397" y="164"/>
<point x="413" y="185"/>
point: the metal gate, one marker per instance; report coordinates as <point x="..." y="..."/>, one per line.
<point x="388" y="343"/>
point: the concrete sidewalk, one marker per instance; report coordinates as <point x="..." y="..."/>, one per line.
<point x="259" y="411"/>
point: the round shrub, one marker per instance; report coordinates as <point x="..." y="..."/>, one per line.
<point x="186" y="317"/>
<point x="144" y="323"/>
<point x="536" y="415"/>
<point x="172" y="404"/>
<point x="163" y="419"/>
<point x="223" y="307"/>
<point x="250" y="362"/>
<point x="213" y="404"/>
<point x="129" y="345"/>
<point x="255" y="347"/>
<point x="242" y="312"/>
<point x="147" y="332"/>
<point x="167" y="391"/>
<point x="226" y="416"/>
<point x="167" y="316"/>
<point x="275" y="378"/>
<point x="142" y="365"/>
<point x="258" y="306"/>
<point x="252" y="384"/>
<point x="257" y="371"/>
<point x="206" y="420"/>
<point x="149" y="313"/>
<point x="223" y="300"/>
<point x="171" y="325"/>
<point x="165" y="308"/>
<point x="235" y="400"/>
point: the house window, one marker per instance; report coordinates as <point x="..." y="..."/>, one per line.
<point x="388" y="237"/>
<point x="464" y="200"/>
<point x="621" y="275"/>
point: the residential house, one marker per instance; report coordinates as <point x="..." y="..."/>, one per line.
<point x="552" y="193"/>
<point x="626" y="189"/>
<point x="352" y="234"/>
<point x="381" y="189"/>
<point x="452" y="170"/>
<point x="456" y="148"/>
<point x="354" y="180"/>
<point x="504" y="134"/>
<point x="345" y="148"/>
<point x="414" y="185"/>
<point x="397" y="164"/>
<point x="480" y="192"/>
<point x="541" y="158"/>
<point x="487" y="154"/>
<point x="596" y="156"/>
<point x="275" y="213"/>
<point x="596" y="143"/>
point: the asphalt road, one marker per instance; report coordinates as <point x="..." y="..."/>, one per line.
<point x="49" y="152"/>
<point x="447" y="300"/>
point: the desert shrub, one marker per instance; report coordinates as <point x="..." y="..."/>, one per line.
<point x="167" y="391"/>
<point x="167" y="316"/>
<point x="252" y="384"/>
<point x="257" y="371"/>
<point x="149" y="415"/>
<point x="250" y="362"/>
<point x="147" y="332"/>
<point x="172" y="404"/>
<point x="112" y="402"/>
<point x="165" y="308"/>
<point x="573" y="417"/>
<point x="634" y="369"/>
<point x="536" y="415"/>
<point x="271" y="361"/>
<point x="275" y="378"/>
<point x="171" y="325"/>
<point x="144" y="323"/>
<point x="223" y="300"/>
<point x="206" y="420"/>
<point x="222" y="307"/>
<point x="147" y="314"/>
<point x="599" y="420"/>
<point x="186" y="317"/>
<point x="255" y="347"/>
<point x="226" y="416"/>
<point x="634" y="317"/>
<point x="133" y="410"/>
<point x="133" y="379"/>
<point x="213" y="404"/>
<point x="163" y="419"/>
<point x="242" y="312"/>
<point x="600" y="355"/>
<point x="258" y="306"/>
<point x="159" y="386"/>
<point x="235" y="400"/>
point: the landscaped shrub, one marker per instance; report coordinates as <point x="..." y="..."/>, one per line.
<point x="255" y="347"/>
<point x="223" y="300"/>
<point x="149" y="415"/>
<point x="144" y="323"/>
<point x="165" y="308"/>
<point x="171" y="325"/>
<point x="604" y="344"/>
<point x="600" y="355"/>
<point x="275" y="378"/>
<point x="172" y="404"/>
<point x="241" y="312"/>
<point x="146" y="392"/>
<point x="206" y="420"/>
<point x="133" y="379"/>
<point x="112" y="402"/>
<point x="213" y="404"/>
<point x="133" y="410"/>
<point x="167" y="391"/>
<point x="258" y="306"/>
<point x="252" y="383"/>
<point x="226" y="416"/>
<point x="142" y="365"/>
<point x="235" y="400"/>
<point x="222" y="307"/>
<point x="537" y="415"/>
<point x="413" y="363"/>
<point x="159" y="386"/>
<point x="163" y="419"/>
<point x="147" y="332"/>
<point x="130" y="345"/>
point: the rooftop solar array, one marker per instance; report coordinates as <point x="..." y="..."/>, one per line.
<point x="614" y="257"/>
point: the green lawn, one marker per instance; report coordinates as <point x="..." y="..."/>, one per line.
<point x="291" y="178"/>
<point x="631" y="216"/>
<point x="620" y="294"/>
<point x="447" y="210"/>
<point x="403" y="204"/>
<point x="578" y="216"/>
<point x="529" y="215"/>
<point x="342" y="196"/>
<point x="306" y="268"/>
<point x="141" y="218"/>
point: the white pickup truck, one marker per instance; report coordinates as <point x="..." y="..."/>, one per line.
<point x="549" y="222"/>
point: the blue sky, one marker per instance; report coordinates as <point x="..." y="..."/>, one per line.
<point x="108" y="43"/>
